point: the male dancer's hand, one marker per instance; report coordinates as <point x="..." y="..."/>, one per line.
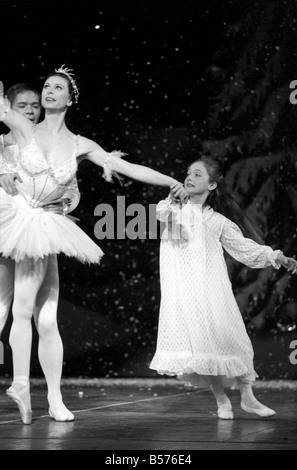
<point x="7" y="182"/>
<point x="58" y="206"/>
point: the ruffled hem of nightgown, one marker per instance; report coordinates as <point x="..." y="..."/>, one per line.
<point x="197" y="370"/>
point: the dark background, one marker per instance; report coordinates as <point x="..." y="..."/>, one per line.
<point x="165" y="81"/>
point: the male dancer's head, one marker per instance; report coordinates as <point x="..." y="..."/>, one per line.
<point x="26" y="100"/>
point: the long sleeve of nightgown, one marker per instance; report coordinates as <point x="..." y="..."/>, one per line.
<point x="168" y="211"/>
<point x="181" y="219"/>
<point x="245" y="250"/>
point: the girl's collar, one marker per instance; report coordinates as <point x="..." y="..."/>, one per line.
<point x="206" y="210"/>
<point x="200" y="206"/>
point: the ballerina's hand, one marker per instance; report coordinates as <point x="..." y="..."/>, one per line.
<point x="4" y="103"/>
<point x="178" y="192"/>
<point x="1" y="93"/>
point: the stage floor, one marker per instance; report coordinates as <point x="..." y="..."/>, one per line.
<point x="148" y="415"/>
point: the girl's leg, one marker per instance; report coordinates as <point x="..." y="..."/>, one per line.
<point x="29" y="275"/>
<point x="223" y="402"/>
<point x="6" y="289"/>
<point x="50" y="349"/>
<point x="249" y="403"/>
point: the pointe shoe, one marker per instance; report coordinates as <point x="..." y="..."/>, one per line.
<point x="62" y="417"/>
<point x="264" y="412"/>
<point x="26" y="414"/>
<point x="225" y="411"/>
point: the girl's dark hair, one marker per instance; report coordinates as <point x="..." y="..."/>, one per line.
<point x="222" y="201"/>
<point x="18" y="88"/>
<point x="72" y="84"/>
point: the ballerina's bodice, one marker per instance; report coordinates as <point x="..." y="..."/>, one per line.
<point x="43" y="182"/>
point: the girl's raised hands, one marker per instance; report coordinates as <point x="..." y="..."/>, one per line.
<point x="178" y="192"/>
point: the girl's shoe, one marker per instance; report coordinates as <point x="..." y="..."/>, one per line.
<point x="26" y="414"/>
<point x="264" y="412"/>
<point x="225" y="411"/>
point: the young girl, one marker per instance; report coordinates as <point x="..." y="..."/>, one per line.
<point x="32" y="236"/>
<point x="202" y="337"/>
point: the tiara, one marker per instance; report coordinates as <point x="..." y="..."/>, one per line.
<point x="70" y="75"/>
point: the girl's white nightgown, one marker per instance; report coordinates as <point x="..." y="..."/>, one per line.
<point x="201" y="331"/>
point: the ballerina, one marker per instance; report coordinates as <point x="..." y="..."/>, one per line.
<point x="33" y="237"/>
<point x="25" y="99"/>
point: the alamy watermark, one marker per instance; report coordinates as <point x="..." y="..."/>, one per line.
<point x="293" y="355"/>
<point x="137" y="221"/>
<point x="293" y="95"/>
<point x="114" y="224"/>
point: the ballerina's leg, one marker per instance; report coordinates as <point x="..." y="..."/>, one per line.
<point x="29" y="275"/>
<point x="50" y="348"/>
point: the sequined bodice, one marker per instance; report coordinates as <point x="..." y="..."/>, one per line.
<point x="43" y="183"/>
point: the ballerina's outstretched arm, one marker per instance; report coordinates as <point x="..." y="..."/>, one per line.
<point x="113" y="164"/>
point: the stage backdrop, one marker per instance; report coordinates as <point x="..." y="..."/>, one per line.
<point x="165" y="82"/>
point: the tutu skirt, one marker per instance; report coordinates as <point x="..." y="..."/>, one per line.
<point x="35" y="233"/>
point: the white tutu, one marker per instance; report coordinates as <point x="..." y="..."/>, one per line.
<point x="26" y="229"/>
<point x="32" y="232"/>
